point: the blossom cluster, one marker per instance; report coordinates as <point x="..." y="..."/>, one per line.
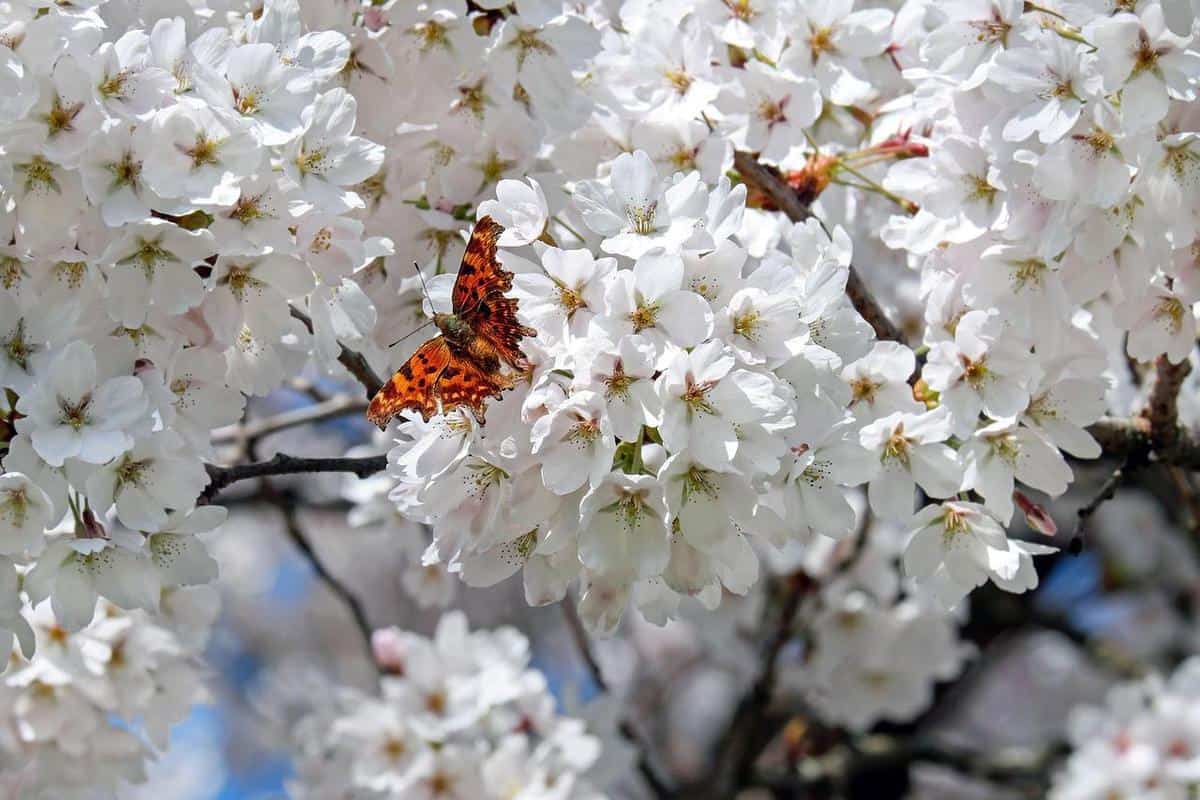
<point x="91" y="708"/>
<point x="168" y="186"/>
<point x="461" y="715"/>
<point x="701" y="382"/>
<point x="1143" y="743"/>
<point x="197" y="182"/>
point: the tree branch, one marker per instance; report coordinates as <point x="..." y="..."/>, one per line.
<point x="579" y="634"/>
<point x="296" y="533"/>
<point x="770" y="182"/>
<point x="325" y="409"/>
<point x="746" y="737"/>
<point x="353" y="361"/>
<point x="1162" y="407"/>
<point x="282" y="464"/>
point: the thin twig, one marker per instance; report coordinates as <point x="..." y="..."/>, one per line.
<point x="745" y="736"/>
<point x="352" y="360"/>
<point x="282" y="464"/>
<point x="657" y="785"/>
<point x="334" y="406"/>
<point x="1107" y="490"/>
<point x="300" y="539"/>
<point x="770" y="182"/>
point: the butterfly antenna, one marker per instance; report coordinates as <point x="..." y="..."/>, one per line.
<point x="410" y="333"/>
<point x="424" y="288"/>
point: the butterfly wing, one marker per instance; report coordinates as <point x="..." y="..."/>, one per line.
<point x="414" y="385"/>
<point x="463" y="383"/>
<point x="479" y="296"/>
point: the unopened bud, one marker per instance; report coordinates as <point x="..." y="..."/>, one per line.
<point x="1035" y="516"/>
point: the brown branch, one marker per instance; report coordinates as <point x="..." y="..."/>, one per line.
<point x="1162" y="407"/>
<point x="325" y="409"/>
<point x="770" y="182"/>
<point x="745" y="737"/>
<point x="657" y="785"/>
<point x="300" y="539"/>
<point x="353" y="361"/>
<point x="282" y="464"/>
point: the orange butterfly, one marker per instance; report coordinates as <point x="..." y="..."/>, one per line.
<point x="462" y="367"/>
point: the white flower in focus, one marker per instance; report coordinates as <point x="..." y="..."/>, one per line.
<point x="1003" y="452"/>
<point x="961" y="544"/>
<point x="72" y="413"/>
<point x="327" y="158"/>
<point x="575" y="443"/>
<point x="648" y="300"/>
<point x="982" y="370"/>
<point x="152" y="263"/>
<point x="879" y="382"/>
<point x="623" y="526"/>
<point x="568" y="296"/>
<point x="1149" y="64"/>
<point x="635" y="210"/>
<point x="704" y="398"/>
<point x="253" y="289"/>
<point x="198" y="154"/>
<point x="179" y="556"/>
<point x="624" y="376"/>
<point x="907" y="451"/>
<point x="521" y="209"/>
<point x="157" y="474"/>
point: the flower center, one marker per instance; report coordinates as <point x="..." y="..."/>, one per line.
<point x="394" y="749"/>
<point x="979" y="189"/>
<point x="641" y="217"/>
<point x="746" y="325"/>
<point x="203" y="152"/>
<point x="125" y="172"/>
<point x="772" y="111"/>
<point x="240" y="279"/>
<point x="569" y="299"/>
<point x="864" y="389"/>
<point x="896" y="447"/>
<point x="975" y="372"/>
<point x="17" y="348"/>
<point x="39" y="175"/>
<point x="310" y="160"/>
<point x="699" y="481"/>
<point x="430" y="34"/>
<point x="992" y="30"/>
<point x="643" y="317"/>
<point x="1028" y="272"/>
<point x="247" y="100"/>
<point x="820" y="42"/>
<point x="472" y="98"/>
<point x="15" y="506"/>
<point x="11" y="271"/>
<point x="526" y="42"/>
<point x="696" y="397"/>
<point x="1100" y="141"/>
<point x="583" y="433"/>
<point x="75" y="415"/>
<point x="61" y="116"/>
<point x="148" y="256"/>
<point x="1169" y="312"/>
<point x="617" y="384"/>
<point x="131" y="472"/>
<point x="247" y="209"/>
<point x="114" y="85"/>
<point x="679" y="80"/>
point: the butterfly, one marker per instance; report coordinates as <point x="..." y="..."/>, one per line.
<point x="463" y="366"/>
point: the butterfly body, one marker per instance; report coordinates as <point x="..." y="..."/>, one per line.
<point x="481" y="335"/>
